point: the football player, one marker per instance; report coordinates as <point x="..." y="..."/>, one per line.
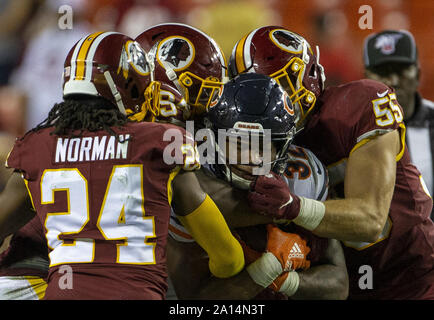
<point x="250" y="105"/>
<point x="189" y="65"/>
<point x="103" y="185"/>
<point x="357" y="130"/>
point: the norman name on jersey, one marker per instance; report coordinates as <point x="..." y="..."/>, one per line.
<point x="91" y="148"/>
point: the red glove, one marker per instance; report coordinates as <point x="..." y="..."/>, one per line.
<point x="289" y="248"/>
<point x="270" y="195"/>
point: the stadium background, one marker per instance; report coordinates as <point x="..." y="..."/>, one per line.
<point x="33" y="47"/>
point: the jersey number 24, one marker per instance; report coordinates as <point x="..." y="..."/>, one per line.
<point x="121" y="216"/>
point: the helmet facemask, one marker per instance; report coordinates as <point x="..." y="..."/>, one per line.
<point x="200" y="93"/>
<point x="277" y="147"/>
<point x="290" y="77"/>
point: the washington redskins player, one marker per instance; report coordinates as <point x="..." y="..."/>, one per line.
<point x="189" y="65"/>
<point x="357" y="130"/>
<point x="102" y="186"/>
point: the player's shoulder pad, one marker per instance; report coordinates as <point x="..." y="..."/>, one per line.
<point x="359" y="91"/>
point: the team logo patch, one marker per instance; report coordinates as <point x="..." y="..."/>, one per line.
<point x="216" y="96"/>
<point x="177" y="52"/>
<point x="387" y="43"/>
<point x="287" y="40"/>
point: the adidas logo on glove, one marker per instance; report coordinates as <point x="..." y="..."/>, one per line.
<point x="296" y="252"/>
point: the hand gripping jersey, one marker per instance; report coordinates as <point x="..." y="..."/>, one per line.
<point x="105" y="205"/>
<point x="402" y="258"/>
<point x="307" y="177"/>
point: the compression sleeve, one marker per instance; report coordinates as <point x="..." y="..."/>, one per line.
<point x="208" y="227"/>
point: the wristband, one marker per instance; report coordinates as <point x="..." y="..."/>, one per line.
<point x="311" y="213"/>
<point x="265" y="270"/>
<point x="291" y="283"/>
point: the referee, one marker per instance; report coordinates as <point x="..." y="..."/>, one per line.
<point x="391" y="57"/>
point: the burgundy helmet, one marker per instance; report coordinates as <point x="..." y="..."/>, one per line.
<point x="188" y="63"/>
<point x="288" y="58"/>
<point x="113" y="66"/>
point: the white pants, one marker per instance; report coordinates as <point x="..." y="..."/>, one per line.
<point x="22" y="288"/>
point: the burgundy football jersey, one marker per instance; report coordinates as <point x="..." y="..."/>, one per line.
<point x="104" y="202"/>
<point x="402" y="258"/>
<point x="173" y="107"/>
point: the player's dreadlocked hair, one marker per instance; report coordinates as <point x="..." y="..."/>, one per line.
<point x="82" y="113"/>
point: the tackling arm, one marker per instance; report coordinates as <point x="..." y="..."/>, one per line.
<point x="231" y="202"/>
<point x="369" y="185"/>
<point x="327" y="281"/>
<point x="15" y="206"/>
<point x="201" y="217"/>
<point x="189" y="273"/>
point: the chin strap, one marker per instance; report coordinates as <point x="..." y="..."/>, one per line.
<point x="115" y="92"/>
<point x="171" y="74"/>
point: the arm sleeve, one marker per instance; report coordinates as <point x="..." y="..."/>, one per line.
<point x="208" y="227"/>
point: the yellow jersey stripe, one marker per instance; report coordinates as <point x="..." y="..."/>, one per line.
<point x="38" y="285"/>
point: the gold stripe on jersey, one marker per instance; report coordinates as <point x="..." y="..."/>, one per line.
<point x="38" y="285"/>
<point x="82" y="55"/>
<point x="364" y="245"/>
<point x="375" y="135"/>
<point x="30" y="195"/>
<point x="402" y="132"/>
<point x="172" y="176"/>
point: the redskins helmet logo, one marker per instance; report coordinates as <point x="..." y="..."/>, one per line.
<point x="133" y="55"/>
<point x="177" y="52"/>
<point x="286" y="40"/>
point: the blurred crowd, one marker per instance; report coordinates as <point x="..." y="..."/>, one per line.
<point x="33" y="45"/>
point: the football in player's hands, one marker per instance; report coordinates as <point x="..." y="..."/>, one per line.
<point x="270" y="195"/>
<point x="289" y="248"/>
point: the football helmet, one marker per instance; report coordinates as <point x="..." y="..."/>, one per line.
<point x="115" y="67"/>
<point x="188" y="62"/>
<point x="251" y="103"/>
<point x="288" y="58"/>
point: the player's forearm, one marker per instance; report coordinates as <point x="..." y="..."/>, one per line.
<point x="234" y="207"/>
<point x="352" y="220"/>
<point x="239" y="287"/>
<point x="323" y="282"/>
<point x="231" y="202"/>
